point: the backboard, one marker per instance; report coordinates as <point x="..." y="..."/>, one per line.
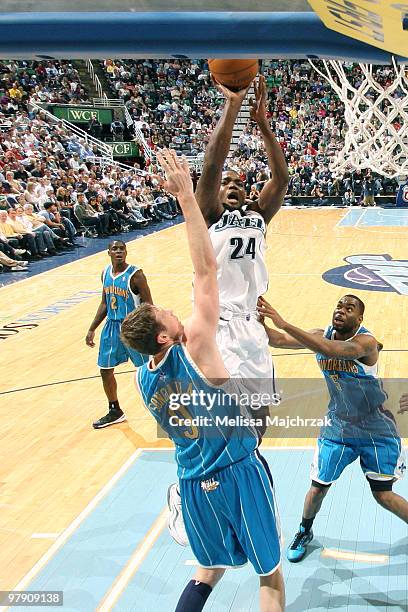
<point x="173" y="28"/>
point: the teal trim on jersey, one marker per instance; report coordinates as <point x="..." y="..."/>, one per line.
<point x="118" y="296"/>
<point x="354" y="392"/>
<point x="210" y="441"/>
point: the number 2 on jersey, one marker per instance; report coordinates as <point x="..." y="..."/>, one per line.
<point x="240" y="250"/>
<point x="113" y="302"/>
<point x="335" y="379"/>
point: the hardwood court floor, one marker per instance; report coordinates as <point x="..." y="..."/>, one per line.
<point x="52" y="463"/>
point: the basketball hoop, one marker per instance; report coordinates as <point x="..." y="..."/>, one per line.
<point x="376" y="117"/>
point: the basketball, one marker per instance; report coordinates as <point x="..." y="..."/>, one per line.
<point x="235" y="74"/>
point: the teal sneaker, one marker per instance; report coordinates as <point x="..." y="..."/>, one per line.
<point x="297" y="549"/>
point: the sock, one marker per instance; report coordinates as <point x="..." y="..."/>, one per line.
<point x="193" y="597"/>
<point x="114" y="406"/>
<point x="307" y="523"/>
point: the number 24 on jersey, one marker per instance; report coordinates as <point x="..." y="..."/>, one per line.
<point x="242" y="248"/>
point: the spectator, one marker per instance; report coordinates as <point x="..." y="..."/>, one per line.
<point x="37" y="222"/>
<point x="89" y="218"/>
<point x="105" y="217"/>
<point x="37" y="229"/>
<point x="135" y="208"/>
<point x="115" y="220"/>
<point x="253" y="194"/>
<point x="165" y="204"/>
<point x="348" y="198"/>
<point x="368" y="191"/>
<point x="32" y="195"/>
<point x="7" y="249"/>
<point x="117" y="130"/>
<point x="8" y="264"/>
<point x="95" y="127"/>
<point x="62" y="226"/>
<point x="357" y="185"/>
<point x="16" y="239"/>
<point x="119" y="203"/>
<point x="318" y="195"/>
<point x="115" y="226"/>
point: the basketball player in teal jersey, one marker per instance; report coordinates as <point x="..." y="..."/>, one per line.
<point x="347" y="354"/>
<point x="227" y="494"/>
<point x="124" y="288"/>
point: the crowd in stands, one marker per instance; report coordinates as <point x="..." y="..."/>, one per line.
<point x="51" y="187"/>
<point x="176" y="104"/>
<point x="51" y="190"/>
<point x="42" y="82"/>
<point x="308" y="120"/>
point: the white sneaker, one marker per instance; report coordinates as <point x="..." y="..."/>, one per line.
<point x="175" y="521"/>
<point x="20" y="251"/>
<point x="18" y="269"/>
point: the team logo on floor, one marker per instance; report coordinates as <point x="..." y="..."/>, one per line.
<point x="372" y="273"/>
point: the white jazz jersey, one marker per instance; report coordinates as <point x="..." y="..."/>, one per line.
<point x="238" y="238"/>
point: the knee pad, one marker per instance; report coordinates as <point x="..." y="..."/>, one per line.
<point x="380" y="485"/>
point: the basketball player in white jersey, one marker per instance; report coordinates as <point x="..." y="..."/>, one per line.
<point x="237" y="234"/>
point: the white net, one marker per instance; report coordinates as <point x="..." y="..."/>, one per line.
<point x="376" y="116"/>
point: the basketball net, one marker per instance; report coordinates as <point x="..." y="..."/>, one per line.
<point x="376" y="118"/>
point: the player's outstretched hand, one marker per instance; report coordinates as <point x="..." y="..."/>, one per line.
<point x="178" y="178"/>
<point x="234" y="97"/>
<point x="90" y="338"/>
<point x="258" y="106"/>
<point x="403" y="404"/>
<point x="266" y="310"/>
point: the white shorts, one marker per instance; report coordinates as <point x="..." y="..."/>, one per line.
<point x="243" y="344"/>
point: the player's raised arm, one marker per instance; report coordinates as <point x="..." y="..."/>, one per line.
<point x="357" y="348"/>
<point x="203" y="323"/>
<point x="274" y="190"/>
<point x="208" y="187"/>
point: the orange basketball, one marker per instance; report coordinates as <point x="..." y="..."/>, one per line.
<point x="235" y="74"/>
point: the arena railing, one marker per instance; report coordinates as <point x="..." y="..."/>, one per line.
<point x="112" y="102"/>
<point x="240" y="123"/>
<point x="147" y="151"/>
<point x="103" y="162"/>
<point x="74" y="129"/>
<point x="128" y="118"/>
<point x="95" y="79"/>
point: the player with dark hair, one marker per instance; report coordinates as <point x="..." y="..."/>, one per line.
<point x="124" y="288"/>
<point x="237" y="232"/>
<point x="360" y="427"/>
<point x="226" y="490"/>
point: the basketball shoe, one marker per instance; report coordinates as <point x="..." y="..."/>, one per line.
<point x="175" y="521"/>
<point x="297" y="548"/>
<point x="113" y="416"/>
